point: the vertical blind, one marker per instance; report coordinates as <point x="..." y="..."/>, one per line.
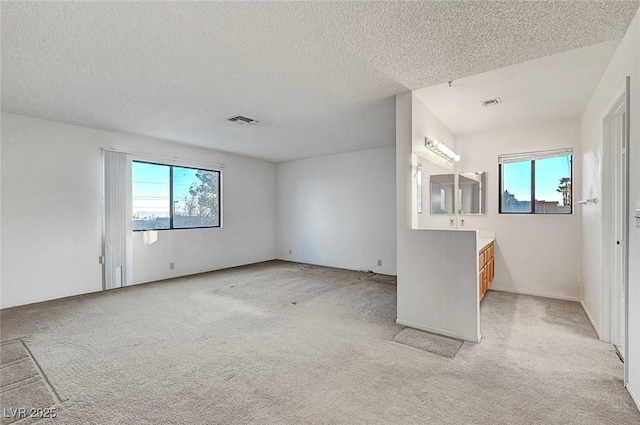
<point x="117" y="221"/>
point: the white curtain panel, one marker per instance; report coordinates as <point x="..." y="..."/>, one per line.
<point x="117" y="220"/>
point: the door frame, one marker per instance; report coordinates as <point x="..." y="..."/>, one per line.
<point x="608" y="174"/>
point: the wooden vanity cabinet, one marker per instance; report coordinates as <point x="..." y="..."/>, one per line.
<point x="486" y="264"/>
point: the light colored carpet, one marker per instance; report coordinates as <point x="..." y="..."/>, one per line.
<point x="23" y="388"/>
<point x="231" y="347"/>
<point x="440" y="345"/>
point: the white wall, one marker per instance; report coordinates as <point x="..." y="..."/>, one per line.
<point x="438" y="288"/>
<point x="426" y="124"/>
<point x="535" y="254"/>
<point x="609" y="88"/>
<point x="51" y="212"/>
<point x="437" y="270"/>
<point x="625" y="62"/>
<point x="538" y="255"/>
<point x="339" y="210"/>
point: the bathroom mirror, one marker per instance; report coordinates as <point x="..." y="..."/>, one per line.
<point x="471" y="192"/>
<point x="441" y="188"/>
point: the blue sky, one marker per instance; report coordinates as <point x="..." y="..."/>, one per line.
<point x="151" y="187"/>
<point x="517" y="178"/>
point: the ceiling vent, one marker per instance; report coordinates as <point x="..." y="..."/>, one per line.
<point x="491" y="102"/>
<point x="241" y="120"/>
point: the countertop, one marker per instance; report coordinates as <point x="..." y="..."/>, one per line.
<point x="484" y="241"/>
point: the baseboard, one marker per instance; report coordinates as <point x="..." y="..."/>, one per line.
<point x="593" y="323"/>
<point x="193" y="273"/>
<point x="102" y="290"/>
<point x="54" y="299"/>
<point x="437" y="331"/>
<point x="537" y="294"/>
<point x="633" y="397"/>
<point x="289" y="260"/>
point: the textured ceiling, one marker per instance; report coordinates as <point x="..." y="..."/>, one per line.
<point x="546" y="89"/>
<point x="319" y="76"/>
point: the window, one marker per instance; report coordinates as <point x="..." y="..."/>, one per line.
<point x="172" y="197"/>
<point x="536" y="183"/>
<point x="151" y="196"/>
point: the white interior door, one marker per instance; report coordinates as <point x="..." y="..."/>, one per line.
<point x="615" y="206"/>
<point x="620" y="231"/>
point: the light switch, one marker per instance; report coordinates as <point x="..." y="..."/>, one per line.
<point x="637" y="218"/>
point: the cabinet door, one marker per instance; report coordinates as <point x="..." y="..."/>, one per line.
<point x="492" y="270"/>
<point x="486" y="278"/>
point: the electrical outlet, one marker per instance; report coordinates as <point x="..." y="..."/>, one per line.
<point x="289" y="252"/>
<point x="379" y="263"/>
<point x="172" y="266"/>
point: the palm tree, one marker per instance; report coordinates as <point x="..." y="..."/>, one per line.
<point x="565" y="188"/>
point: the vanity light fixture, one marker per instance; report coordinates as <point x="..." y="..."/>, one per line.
<point x="441" y="149"/>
